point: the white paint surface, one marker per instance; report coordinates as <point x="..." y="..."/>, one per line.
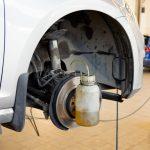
<point x="1" y="35"/>
<point x="28" y="20"/>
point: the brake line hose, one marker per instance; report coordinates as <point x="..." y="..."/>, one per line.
<point x="113" y="120"/>
<point x="129" y="115"/>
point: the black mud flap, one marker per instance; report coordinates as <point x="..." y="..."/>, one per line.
<point x="18" y="121"/>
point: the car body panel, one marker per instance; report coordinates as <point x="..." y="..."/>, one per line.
<point x="26" y="23"/>
<point x="6" y="115"/>
<point x="137" y="40"/>
<point x="1" y="35"/>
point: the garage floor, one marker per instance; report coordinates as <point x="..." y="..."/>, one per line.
<point x="134" y="131"/>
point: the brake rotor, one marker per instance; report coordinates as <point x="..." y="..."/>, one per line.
<point x="62" y="103"/>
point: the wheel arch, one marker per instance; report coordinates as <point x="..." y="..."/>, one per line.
<point x="25" y="54"/>
<point x="53" y="16"/>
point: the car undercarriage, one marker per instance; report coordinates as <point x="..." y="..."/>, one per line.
<point x="83" y="38"/>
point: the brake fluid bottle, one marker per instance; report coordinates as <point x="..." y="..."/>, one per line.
<point x="87" y="102"/>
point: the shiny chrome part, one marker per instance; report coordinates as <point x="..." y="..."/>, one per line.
<point x="53" y="47"/>
<point x="61" y="110"/>
<point x="55" y="56"/>
<point x="6" y="115"/>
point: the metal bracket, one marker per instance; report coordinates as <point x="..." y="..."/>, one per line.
<point x="112" y="96"/>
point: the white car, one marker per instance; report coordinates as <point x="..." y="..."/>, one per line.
<point x="41" y="40"/>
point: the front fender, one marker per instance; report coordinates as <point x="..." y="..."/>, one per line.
<point x="26" y="23"/>
<point x="137" y="44"/>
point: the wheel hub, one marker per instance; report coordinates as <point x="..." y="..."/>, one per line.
<point x="62" y="103"/>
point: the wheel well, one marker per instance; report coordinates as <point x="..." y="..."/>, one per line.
<point x="98" y="40"/>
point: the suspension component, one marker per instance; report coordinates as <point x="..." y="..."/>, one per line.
<point x="55" y="56"/>
<point x="53" y="47"/>
<point x="62" y="102"/>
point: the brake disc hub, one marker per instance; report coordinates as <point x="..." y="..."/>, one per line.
<point x="62" y="102"/>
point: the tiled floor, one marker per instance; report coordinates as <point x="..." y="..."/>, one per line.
<point x="134" y="131"/>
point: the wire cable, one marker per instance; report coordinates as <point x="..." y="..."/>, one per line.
<point x="32" y="118"/>
<point x="129" y="115"/>
<point x="117" y="125"/>
<point x="81" y="62"/>
<point x="38" y="118"/>
<point x="113" y="120"/>
<point x="32" y="121"/>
